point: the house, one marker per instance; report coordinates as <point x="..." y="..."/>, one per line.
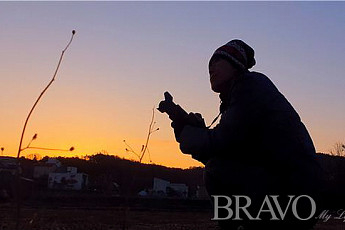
<point x="165" y="188"/>
<point x="43" y="169"/>
<point x="67" y="178"/>
<point x="8" y="165"/>
<point x="8" y="168"/>
<point x="201" y="193"/>
<point x="7" y="174"/>
<point x="160" y="186"/>
<point x="177" y="190"/>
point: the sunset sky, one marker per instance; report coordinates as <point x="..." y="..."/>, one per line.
<point x="126" y="54"/>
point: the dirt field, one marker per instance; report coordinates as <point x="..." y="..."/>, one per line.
<point x="105" y="219"/>
<point x="118" y="218"/>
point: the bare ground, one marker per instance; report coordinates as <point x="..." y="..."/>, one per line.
<point x="118" y="218"/>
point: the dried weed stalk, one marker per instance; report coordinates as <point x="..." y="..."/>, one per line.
<point x="20" y="149"/>
<point x="144" y="147"/>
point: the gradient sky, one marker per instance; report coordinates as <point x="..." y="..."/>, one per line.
<point x="126" y="54"/>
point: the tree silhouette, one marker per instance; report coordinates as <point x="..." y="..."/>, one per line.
<point x="338" y="149"/>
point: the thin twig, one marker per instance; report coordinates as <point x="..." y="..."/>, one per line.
<point x="144" y="147"/>
<point x="149" y="155"/>
<point x="41" y="148"/>
<point x="148" y="135"/>
<point x="24" y="128"/>
<point x="45" y="89"/>
<point x="130" y="149"/>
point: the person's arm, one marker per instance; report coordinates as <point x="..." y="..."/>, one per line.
<point x="237" y="123"/>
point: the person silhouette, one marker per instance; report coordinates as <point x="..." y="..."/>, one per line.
<point x="259" y="147"/>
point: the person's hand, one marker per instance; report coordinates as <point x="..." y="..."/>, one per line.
<point x="196" y="120"/>
<point x="192" y="119"/>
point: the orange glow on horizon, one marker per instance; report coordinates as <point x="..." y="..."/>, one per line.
<point x="161" y="152"/>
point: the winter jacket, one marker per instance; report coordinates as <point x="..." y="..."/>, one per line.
<point x="258" y="127"/>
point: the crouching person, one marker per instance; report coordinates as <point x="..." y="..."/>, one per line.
<point x="260" y="151"/>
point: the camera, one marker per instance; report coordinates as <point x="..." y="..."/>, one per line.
<point x="175" y="112"/>
<point x="179" y="115"/>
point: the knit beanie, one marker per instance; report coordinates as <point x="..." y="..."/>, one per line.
<point x="238" y="53"/>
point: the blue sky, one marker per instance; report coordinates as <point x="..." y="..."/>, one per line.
<point x="126" y="54"/>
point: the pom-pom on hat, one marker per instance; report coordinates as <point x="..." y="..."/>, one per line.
<point x="238" y="53"/>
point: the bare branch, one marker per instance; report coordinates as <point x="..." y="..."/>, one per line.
<point x="41" y="148"/>
<point x="131" y="150"/>
<point x="148" y="135"/>
<point x="44" y="90"/>
<point x="144" y="147"/>
<point x="24" y="128"/>
<point x="149" y="155"/>
<point x="338" y="149"/>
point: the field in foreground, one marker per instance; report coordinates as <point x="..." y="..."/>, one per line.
<point x="118" y="218"/>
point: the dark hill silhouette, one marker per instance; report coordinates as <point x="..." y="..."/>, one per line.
<point x="134" y="176"/>
<point x="131" y="176"/>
